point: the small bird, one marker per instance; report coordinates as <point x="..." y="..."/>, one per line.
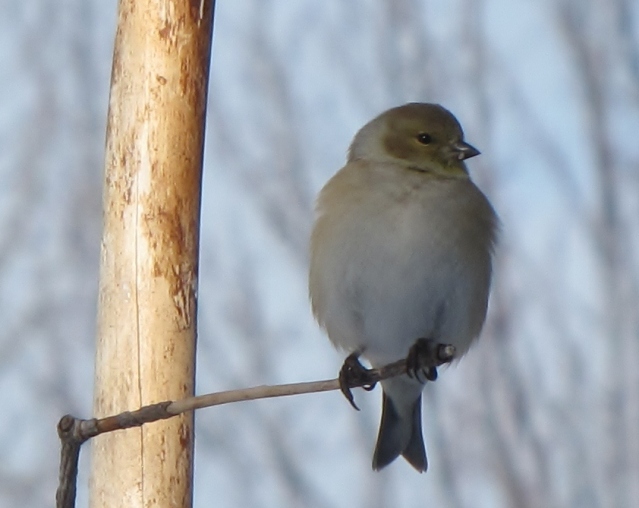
<point x="401" y="250"/>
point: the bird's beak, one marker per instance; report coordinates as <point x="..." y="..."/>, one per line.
<point x="464" y="151"/>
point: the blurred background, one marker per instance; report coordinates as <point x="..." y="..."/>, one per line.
<point x="543" y="412"/>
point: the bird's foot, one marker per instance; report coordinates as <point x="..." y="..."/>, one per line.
<point x="424" y="356"/>
<point x="353" y="374"/>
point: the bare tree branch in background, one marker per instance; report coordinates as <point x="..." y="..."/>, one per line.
<point x="583" y="25"/>
<point x="48" y="240"/>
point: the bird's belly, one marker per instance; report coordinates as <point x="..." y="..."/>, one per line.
<point x="393" y="292"/>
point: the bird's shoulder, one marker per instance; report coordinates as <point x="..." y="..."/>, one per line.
<point x="365" y="181"/>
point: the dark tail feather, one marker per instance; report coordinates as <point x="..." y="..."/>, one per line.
<point x="399" y="436"/>
<point x="414" y="452"/>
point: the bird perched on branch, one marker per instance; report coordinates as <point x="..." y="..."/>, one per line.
<point x="401" y="250"/>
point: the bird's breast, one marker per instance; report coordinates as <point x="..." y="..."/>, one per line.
<point x="402" y="262"/>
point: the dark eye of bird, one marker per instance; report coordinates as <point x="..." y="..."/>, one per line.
<point x="424" y="138"/>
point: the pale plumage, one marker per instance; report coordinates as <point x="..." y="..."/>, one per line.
<point x="401" y="249"/>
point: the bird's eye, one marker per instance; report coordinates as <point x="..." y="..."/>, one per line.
<point x="424" y="138"/>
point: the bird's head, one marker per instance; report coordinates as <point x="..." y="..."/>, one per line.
<point x="419" y="136"/>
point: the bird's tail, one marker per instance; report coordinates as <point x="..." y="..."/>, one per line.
<point x="400" y="433"/>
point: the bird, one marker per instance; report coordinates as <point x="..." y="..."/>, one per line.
<point x="401" y="251"/>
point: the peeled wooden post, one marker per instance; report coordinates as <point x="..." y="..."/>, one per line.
<point x="149" y="256"/>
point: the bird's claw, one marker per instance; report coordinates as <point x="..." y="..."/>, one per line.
<point x="423" y="357"/>
<point x="353" y="374"/>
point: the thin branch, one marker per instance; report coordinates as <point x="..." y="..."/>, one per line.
<point x="73" y="432"/>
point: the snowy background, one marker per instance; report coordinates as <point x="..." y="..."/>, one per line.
<point x="544" y="411"/>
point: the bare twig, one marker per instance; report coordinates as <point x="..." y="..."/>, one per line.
<point x="73" y="432"/>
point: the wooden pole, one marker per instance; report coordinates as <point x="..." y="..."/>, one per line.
<point x="149" y="255"/>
